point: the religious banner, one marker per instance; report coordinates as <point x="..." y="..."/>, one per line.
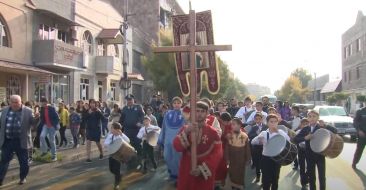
<point x="205" y="61"/>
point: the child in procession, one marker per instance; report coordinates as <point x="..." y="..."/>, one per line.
<point x="115" y="165"/>
<point x="75" y="120"/>
<point x="238" y="154"/>
<point x="270" y="168"/>
<point x="147" y="149"/>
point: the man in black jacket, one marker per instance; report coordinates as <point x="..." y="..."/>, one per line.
<point x="360" y="124"/>
<point x="257" y="150"/>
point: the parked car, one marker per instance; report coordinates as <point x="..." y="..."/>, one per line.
<point x="337" y="117"/>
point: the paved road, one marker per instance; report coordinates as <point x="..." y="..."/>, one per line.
<point x="80" y="176"/>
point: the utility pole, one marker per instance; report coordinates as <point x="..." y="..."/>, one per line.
<point x="125" y="83"/>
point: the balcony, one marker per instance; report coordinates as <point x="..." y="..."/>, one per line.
<point x="54" y="54"/>
<point x="108" y="65"/>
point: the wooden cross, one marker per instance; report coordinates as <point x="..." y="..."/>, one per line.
<point x="192" y="48"/>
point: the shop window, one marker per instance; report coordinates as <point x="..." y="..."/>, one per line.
<point x="84" y="89"/>
<point x="113" y="91"/>
<point x="13" y="86"/>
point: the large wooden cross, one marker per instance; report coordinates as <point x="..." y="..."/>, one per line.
<point x="192" y="48"/>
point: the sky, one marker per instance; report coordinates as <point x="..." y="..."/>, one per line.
<point x="271" y="38"/>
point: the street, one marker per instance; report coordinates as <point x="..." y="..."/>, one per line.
<point x="96" y="175"/>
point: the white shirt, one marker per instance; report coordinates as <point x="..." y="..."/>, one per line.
<point x="263" y="135"/>
<point x="302" y="144"/>
<point x="295" y="123"/>
<point x="142" y="133"/>
<point x="251" y="117"/>
<point x="241" y="113"/>
<point x="108" y="140"/>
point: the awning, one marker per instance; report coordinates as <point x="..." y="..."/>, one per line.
<point x="135" y="76"/>
<point x="22" y="67"/>
<point x="330" y="86"/>
<point x="111" y="36"/>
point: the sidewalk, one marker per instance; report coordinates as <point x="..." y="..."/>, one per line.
<point x="68" y="155"/>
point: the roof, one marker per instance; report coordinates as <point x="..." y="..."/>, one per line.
<point x="108" y="33"/>
<point x="318" y="82"/>
<point x="135" y="76"/>
<point x="330" y="86"/>
<point x="18" y="66"/>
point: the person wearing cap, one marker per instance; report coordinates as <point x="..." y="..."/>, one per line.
<point x="50" y="123"/>
<point x="148" y="150"/>
<point x="132" y="116"/>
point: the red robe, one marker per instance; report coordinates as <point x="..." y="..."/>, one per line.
<point x="221" y="170"/>
<point x="209" y="149"/>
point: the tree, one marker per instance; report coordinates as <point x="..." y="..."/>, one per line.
<point x="361" y="98"/>
<point x="292" y="91"/>
<point x="161" y="69"/>
<point x="337" y="98"/>
<point x="303" y="75"/>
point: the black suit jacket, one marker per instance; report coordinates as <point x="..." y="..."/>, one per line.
<point x="253" y="132"/>
<point x="301" y="138"/>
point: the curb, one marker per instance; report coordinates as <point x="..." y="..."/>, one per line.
<point x="68" y="156"/>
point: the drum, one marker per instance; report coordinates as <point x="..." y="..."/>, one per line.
<point x="152" y="138"/>
<point x="288" y="131"/>
<point x="121" y="150"/>
<point x="326" y="143"/>
<point x="281" y="150"/>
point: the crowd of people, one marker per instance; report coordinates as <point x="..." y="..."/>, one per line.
<point x="229" y="136"/>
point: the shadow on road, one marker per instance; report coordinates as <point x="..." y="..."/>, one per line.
<point x="362" y="176"/>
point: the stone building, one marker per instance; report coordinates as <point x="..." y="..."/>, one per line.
<point x="61" y="49"/>
<point x="72" y="49"/>
<point x="354" y="61"/>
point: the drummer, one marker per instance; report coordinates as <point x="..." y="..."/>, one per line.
<point x="147" y="149"/>
<point x="313" y="159"/>
<point x="304" y="178"/>
<point x="270" y="168"/>
<point x="115" y="165"/>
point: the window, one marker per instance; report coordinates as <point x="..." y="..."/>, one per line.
<point x="358" y="45"/>
<point x="100" y="90"/>
<point x="350" y="50"/>
<point x="345" y="76"/>
<point x="101" y="49"/>
<point x="113" y="50"/>
<point x="349" y="76"/>
<point x="358" y="72"/>
<point x="84" y="89"/>
<point x="62" y="36"/>
<point x="13" y="86"/>
<point x="87" y="44"/>
<point x="4" y="34"/>
<point x="113" y="91"/>
<point x="345" y="52"/>
<point x="46" y="33"/>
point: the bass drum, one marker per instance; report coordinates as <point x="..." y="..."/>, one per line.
<point x="121" y="151"/>
<point x="281" y="150"/>
<point x="326" y="143"/>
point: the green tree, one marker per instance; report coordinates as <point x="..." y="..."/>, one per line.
<point x="361" y="98"/>
<point x="161" y="68"/>
<point x="303" y="75"/>
<point x="292" y="91"/>
<point x="337" y="98"/>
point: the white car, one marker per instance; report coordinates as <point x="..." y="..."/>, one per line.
<point x="337" y="117"/>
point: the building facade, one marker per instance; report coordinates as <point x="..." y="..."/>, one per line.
<point x="61" y="49"/>
<point x="72" y="49"/>
<point x="354" y="61"/>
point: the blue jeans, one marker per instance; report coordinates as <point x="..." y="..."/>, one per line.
<point x="9" y="147"/>
<point x="51" y="132"/>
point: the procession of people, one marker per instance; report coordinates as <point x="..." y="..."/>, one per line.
<point x="240" y="141"/>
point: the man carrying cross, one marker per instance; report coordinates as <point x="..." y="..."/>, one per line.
<point x="208" y="148"/>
